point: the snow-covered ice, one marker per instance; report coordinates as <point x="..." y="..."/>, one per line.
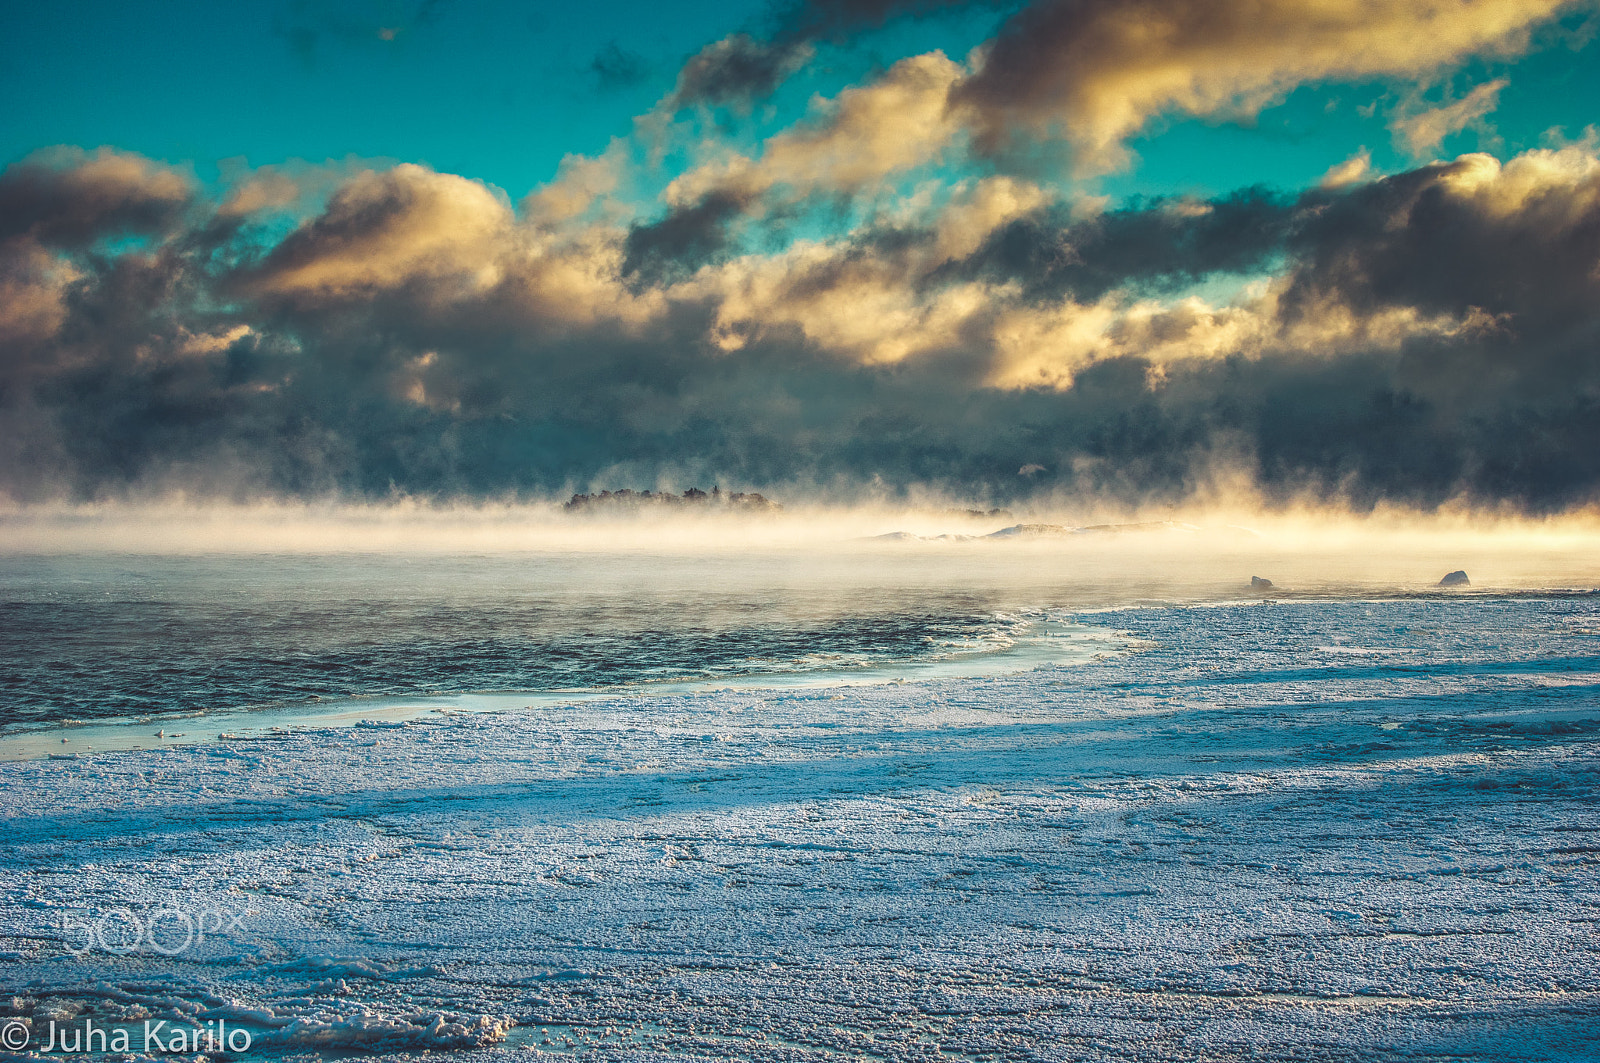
<point x="1291" y="829"/>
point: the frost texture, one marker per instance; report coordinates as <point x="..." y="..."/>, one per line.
<point x="1318" y="830"/>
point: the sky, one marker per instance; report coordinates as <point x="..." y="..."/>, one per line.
<point x="1130" y="252"/>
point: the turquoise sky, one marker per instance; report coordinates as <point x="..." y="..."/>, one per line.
<point x="501" y="91"/>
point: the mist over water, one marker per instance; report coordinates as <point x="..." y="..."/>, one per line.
<point x="219" y="610"/>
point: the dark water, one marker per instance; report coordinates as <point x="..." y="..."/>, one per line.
<point x="99" y="637"/>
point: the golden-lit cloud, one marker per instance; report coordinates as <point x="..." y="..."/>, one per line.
<point x="381" y="229"/>
<point x="1420" y="132"/>
<point x="975" y="212"/>
<point x="269" y="188"/>
<point x="70" y="196"/>
<point x="1096" y="72"/>
<point x="63" y="200"/>
<point x="581" y="183"/>
<point x="417" y="330"/>
<point x="1348" y="172"/>
<point x="866" y="133"/>
<point x="1554" y="187"/>
<point x="33" y="288"/>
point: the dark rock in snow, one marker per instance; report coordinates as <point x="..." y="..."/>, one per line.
<point x="1458" y="578"/>
<point x="1259" y="584"/>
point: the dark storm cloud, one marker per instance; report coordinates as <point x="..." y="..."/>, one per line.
<point x="746" y="68"/>
<point x="69" y="198"/>
<point x="1432" y="336"/>
<point x="1160" y="246"/>
<point x="736" y="70"/>
<point x="1453" y="236"/>
<point x="1152" y="248"/>
<point x="683" y="240"/>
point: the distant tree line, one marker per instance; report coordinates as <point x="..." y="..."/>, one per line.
<point x="629" y="499"/>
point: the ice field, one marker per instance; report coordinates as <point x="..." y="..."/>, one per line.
<point x="1294" y="829"/>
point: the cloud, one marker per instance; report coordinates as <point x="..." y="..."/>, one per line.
<point x="1098" y="71"/>
<point x="1472" y="234"/>
<point x="581" y="183"/>
<point x="268" y="189"/>
<point x="1154" y="246"/>
<point x="614" y="67"/>
<point x="382" y="229"/>
<point x="59" y="207"/>
<point x="283" y="191"/>
<point x="736" y="70"/>
<point x="1423" y="131"/>
<point x="895" y="123"/>
<point x="67" y="197"/>
<point x="1419" y="337"/>
<point x="1349" y="172"/>
<point x="1505" y="251"/>
<point x="34" y="284"/>
<point x="687" y="238"/>
<point x="848" y="145"/>
<point x="743" y="68"/>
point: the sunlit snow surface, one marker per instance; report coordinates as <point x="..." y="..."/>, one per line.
<point x="1298" y="829"/>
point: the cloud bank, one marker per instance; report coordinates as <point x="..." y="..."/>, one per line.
<point x="857" y="306"/>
